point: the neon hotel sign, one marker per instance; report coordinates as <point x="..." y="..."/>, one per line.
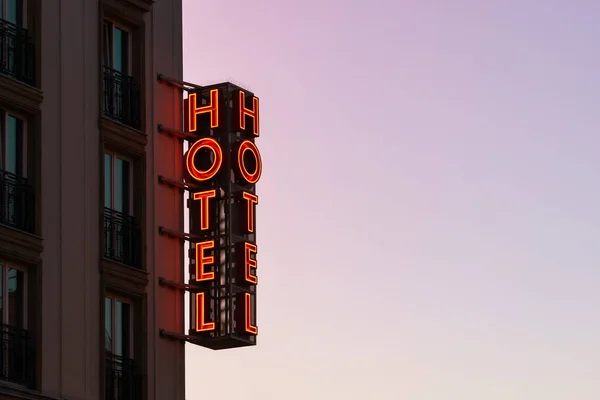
<point x="223" y="166"/>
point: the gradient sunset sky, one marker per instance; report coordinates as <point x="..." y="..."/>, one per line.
<point x="429" y="217"/>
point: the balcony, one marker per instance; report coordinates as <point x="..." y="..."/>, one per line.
<point x="122" y="238"/>
<point x="17" y="53"/>
<point x="17" y="202"/>
<point x="121" y="100"/>
<point x="17" y="358"/>
<point x="122" y="379"/>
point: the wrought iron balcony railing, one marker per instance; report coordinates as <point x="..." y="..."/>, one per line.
<point x="122" y="379"/>
<point x="17" y="202"/>
<point x="122" y="238"/>
<point x="121" y="100"/>
<point x="17" y="53"/>
<point x="17" y="358"/>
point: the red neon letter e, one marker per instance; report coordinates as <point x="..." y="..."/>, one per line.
<point x="202" y="261"/>
<point x="249" y="263"/>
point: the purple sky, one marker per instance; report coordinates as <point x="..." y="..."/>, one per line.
<point x="429" y="218"/>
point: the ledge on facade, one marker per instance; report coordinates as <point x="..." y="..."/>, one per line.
<point x="130" y="9"/>
<point x="121" y="276"/>
<point x="145" y="5"/>
<point x="12" y="391"/>
<point x="20" y="95"/>
<point x="125" y="137"/>
<point x="21" y="246"/>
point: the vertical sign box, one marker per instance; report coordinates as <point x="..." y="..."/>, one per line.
<point x="223" y="165"/>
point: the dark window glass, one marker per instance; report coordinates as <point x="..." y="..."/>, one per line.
<point x="118" y="325"/>
<point x="12" y="11"/>
<point x="13" y="145"/>
<point x="116" y="48"/>
<point x="106" y="49"/>
<point x="108" y="326"/>
<point x="117" y="184"/>
<point x="123" y="329"/>
<point x="107" y="180"/>
<point x="121" y="186"/>
<point x="2" y="293"/>
<point x="16" y="297"/>
<point x="120" y="50"/>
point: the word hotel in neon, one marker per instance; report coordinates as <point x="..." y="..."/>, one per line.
<point x="222" y="167"/>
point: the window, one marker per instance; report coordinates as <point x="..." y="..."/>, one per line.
<point x="11" y="46"/>
<point x="118" y="323"/>
<point x="17" y="52"/>
<point x="122" y="378"/>
<point x="13" y="141"/>
<point x="13" y="296"/>
<point x="121" y="234"/>
<point x="16" y="361"/>
<point x="116" y="49"/>
<point x="17" y="199"/>
<point x="118" y="176"/>
<point x="13" y="11"/>
<point x="121" y="94"/>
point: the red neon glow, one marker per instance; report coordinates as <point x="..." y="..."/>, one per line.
<point x="253" y="113"/>
<point x="213" y="146"/>
<point x="250" y="263"/>
<point x="193" y="110"/>
<point x="254" y="176"/>
<point x="201" y="324"/>
<point x="252" y="329"/>
<point x="252" y="202"/>
<point x="202" y="260"/>
<point x="204" y="209"/>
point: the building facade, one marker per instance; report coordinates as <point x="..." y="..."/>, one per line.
<point x="80" y="203"/>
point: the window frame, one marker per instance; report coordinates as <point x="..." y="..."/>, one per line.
<point x="132" y="314"/>
<point x="132" y="94"/>
<point x="4" y="9"/>
<point x="4" y="117"/>
<point x="113" y="156"/>
<point x="108" y="45"/>
<point x="6" y="265"/>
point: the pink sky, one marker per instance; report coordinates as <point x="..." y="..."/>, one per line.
<point x="429" y="215"/>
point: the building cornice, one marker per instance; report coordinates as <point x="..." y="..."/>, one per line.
<point x="123" y="278"/>
<point x="19" y="96"/>
<point x="20" y="246"/>
<point x="11" y="391"/>
<point x="132" y="10"/>
<point x="129" y="139"/>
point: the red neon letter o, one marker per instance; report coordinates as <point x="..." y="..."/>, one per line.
<point x="213" y="146"/>
<point x="253" y="177"/>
